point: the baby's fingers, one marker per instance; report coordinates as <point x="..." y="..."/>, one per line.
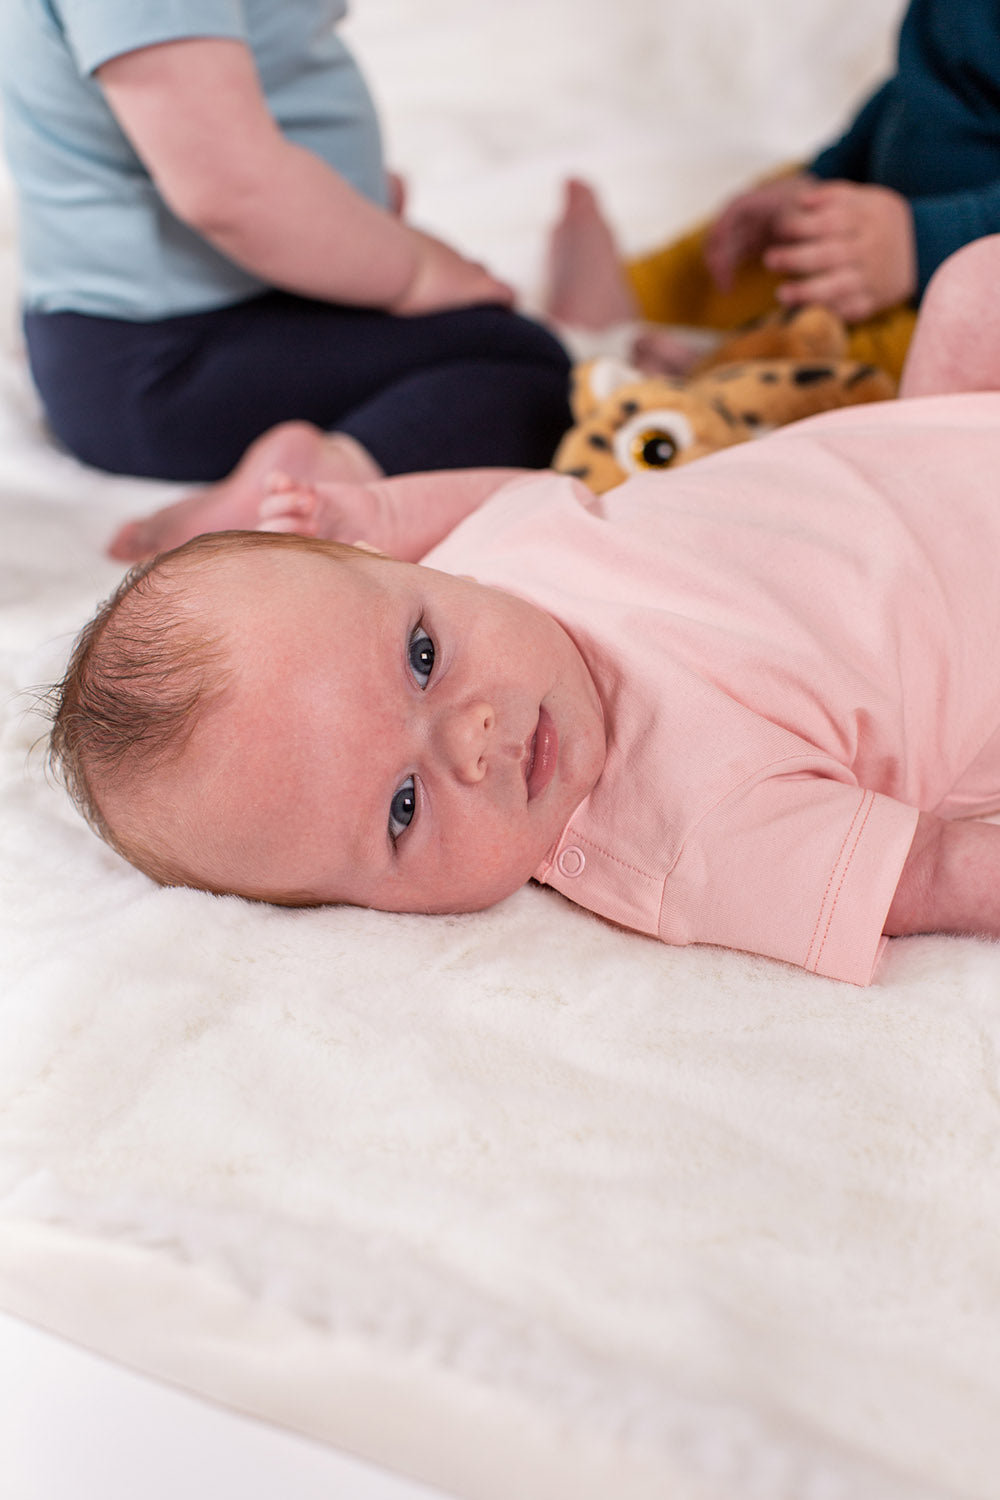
<point x="839" y="289"/>
<point x="295" y="510"/>
<point x="723" y="254"/>
<point x="806" y="257"/>
<point x="292" y="499"/>
<point x="824" y="221"/>
<point x="287" y="525"/>
<point x="278" y="482"/>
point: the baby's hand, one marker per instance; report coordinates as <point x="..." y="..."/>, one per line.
<point x="749" y="224"/>
<point x="336" y="510"/>
<point x="848" y="245"/>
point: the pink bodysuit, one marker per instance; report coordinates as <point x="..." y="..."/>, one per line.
<point x="797" y="645"/>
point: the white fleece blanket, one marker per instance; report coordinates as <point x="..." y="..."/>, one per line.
<point x="515" y="1203"/>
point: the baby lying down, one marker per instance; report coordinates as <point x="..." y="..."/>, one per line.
<point x="744" y="703"/>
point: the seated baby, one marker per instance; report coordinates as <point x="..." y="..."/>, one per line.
<point x="746" y="703"/>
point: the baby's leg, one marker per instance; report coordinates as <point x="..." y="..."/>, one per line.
<point x="589" y="292"/>
<point x="956" y="344"/>
<point x="295" y="448"/>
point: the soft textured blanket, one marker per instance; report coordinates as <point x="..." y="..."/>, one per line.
<point x="513" y="1202"/>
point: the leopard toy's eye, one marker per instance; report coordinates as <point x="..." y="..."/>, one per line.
<point x="652" y="440"/>
<point x="653" y="448"/>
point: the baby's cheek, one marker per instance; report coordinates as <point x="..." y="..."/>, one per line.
<point x="495" y="864"/>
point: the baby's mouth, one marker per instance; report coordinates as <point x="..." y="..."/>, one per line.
<point x="543" y="754"/>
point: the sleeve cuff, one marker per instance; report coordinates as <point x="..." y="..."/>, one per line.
<point x="97" y="34"/>
<point x="848" y="939"/>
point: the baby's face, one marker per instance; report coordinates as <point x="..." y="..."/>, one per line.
<point x="392" y="737"/>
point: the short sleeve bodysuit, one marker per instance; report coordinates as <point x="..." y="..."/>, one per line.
<point x="797" y="646"/>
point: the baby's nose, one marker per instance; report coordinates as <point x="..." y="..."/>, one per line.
<point x="465" y="736"/>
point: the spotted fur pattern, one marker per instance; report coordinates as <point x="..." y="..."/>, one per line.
<point x="628" y="423"/>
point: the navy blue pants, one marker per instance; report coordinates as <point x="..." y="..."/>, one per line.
<point x="183" y="397"/>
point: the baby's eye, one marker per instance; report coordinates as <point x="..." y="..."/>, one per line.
<point x="421" y="655"/>
<point x="402" y="808"/>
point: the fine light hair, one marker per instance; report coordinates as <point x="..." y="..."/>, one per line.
<point x="139" y="676"/>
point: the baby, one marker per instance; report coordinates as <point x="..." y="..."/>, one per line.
<point x="742" y="704"/>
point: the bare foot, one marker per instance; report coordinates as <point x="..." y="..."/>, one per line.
<point x="295" y="448"/>
<point x="660" y="350"/>
<point x="586" y="283"/>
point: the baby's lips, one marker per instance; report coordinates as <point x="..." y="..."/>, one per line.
<point x="544" y="755"/>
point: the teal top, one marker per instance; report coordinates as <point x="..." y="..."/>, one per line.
<point x="932" y="132"/>
<point x="95" y="235"/>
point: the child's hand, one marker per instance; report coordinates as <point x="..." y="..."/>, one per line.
<point x="445" y="279"/>
<point x="749" y="224"/>
<point x="848" y="245"/>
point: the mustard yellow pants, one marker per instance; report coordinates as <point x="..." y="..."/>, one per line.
<point x="673" y="286"/>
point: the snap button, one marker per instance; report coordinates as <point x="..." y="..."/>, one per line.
<point x="571" y="861"/>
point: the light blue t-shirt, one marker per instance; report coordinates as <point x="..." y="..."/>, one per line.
<point x="95" y="235"/>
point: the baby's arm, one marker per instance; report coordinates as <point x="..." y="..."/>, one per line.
<point x="404" y="516"/>
<point x="195" y="113"/>
<point x="950" y="881"/>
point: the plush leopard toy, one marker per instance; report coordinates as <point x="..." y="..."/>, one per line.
<point x="787" y="366"/>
